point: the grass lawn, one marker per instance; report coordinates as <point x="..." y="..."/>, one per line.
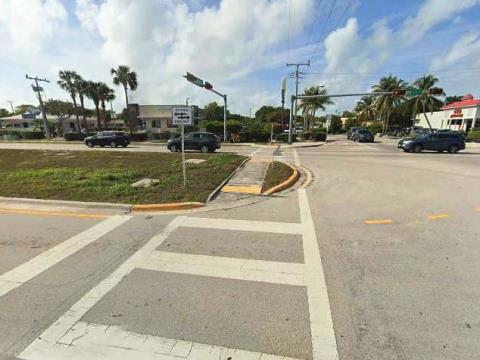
<point x="106" y="176"/>
<point x="277" y="173"/>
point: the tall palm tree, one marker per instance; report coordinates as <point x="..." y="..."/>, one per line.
<point x="81" y="87"/>
<point x="67" y="83"/>
<point x="311" y="106"/>
<point x="385" y="103"/>
<point x="424" y="101"/>
<point x="365" y="109"/>
<point x="93" y="93"/>
<point x="128" y="79"/>
<point x="105" y="94"/>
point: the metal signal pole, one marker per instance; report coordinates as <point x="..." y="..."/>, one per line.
<point x="297" y="76"/>
<point x="42" y="107"/>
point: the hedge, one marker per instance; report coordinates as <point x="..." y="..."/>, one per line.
<point x="474" y="136"/>
<point x="252" y="136"/>
<point x="284" y="137"/>
<point x="75" y="136"/>
<point x="23" y="134"/>
<point x="139" y="136"/>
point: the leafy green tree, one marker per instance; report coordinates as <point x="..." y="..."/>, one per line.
<point x="62" y="110"/>
<point x="425" y="101"/>
<point x="262" y="113"/>
<point x="279" y="116"/>
<point x="4" y="113"/>
<point x="309" y="107"/>
<point x="105" y="94"/>
<point x="93" y="93"/>
<point x="213" y="111"/>
<point x="81" y="88"/>
<point x="20" y="109"/>
<point x="365" y="109"/>
<point x="453" y="98"/>
<point x="384" y="104"/>
<point x="67" y="82"/>
<point x="122" y="75"/>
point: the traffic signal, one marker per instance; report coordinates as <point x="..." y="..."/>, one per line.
<point x="193" y="79"/>
<point x="435" y="91"/>
<point x="399" y="92"/>
<point x="208" y="86"/>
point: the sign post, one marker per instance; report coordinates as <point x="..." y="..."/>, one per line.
<point x="182" y="116"/>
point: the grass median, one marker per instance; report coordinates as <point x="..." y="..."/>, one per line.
<point x="106" y="176"/>
<point x="277" y="173"/>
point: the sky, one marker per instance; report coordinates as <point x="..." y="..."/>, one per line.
<point x="240" y="46"/>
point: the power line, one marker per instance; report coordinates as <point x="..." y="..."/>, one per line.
<point x="288" y="35"/>
<point x="475" y="69"/>
<point x="324" y="26"/>
<point x="317" y="13"/>
<point x="343" y="14"/>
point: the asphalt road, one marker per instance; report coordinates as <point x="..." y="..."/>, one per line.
<point x="376" y="258"/>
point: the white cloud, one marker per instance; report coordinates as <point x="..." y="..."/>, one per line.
<point x="87" y="12"/>
<point x="29" y="24"/>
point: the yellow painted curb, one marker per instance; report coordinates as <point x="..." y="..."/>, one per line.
<point x="242" y="189"/>
<point x="286" y="184"/>
<point x="167" y="207"/>
<point x="379" y="222"/>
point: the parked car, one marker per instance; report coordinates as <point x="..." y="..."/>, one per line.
<point x="363" y="135"/>
<point x="108" y="138"/>
<point x="435" y="142"/>
<point x="203" y="141"/>
<point x="352" y="131"/>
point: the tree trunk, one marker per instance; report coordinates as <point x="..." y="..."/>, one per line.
<point x="386" y="122"/>
<point x="104" y="115"/>
<point x="425" y="114"/>
<point x="84" y="115"/>
<point x="74" y="98"/>
<point x="130" y="125"/>
<point x="97" y="108"/>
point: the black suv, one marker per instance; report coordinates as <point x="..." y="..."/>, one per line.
<point x="108" y="138"/>
<point x="363" y="135"/>
<point x="352" y="131"/>
<point x="203" y="141"/>
<point x="436" y="142"/>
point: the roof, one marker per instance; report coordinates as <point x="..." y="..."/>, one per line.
<point x="466" y="101"/>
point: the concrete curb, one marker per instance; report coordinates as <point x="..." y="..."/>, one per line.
<point x="224" y="182"/>
<point x="166" y="207"/>
<point x="286" y="184"/>
<point x="63" y="203"/>
<point x="301" y="146"/>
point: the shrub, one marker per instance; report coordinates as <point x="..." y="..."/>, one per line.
<point x="375" y="128"/>
<point x="216" y="127"/>
<point x="252" y="136"/>
<point x="284" y="137"/>
<point x="305" y="135"/>
<point x="474" y="136"/>
<point x="139" y="136"/>
<point x="319" y="134"/>
<point x="23" y="134"/>
<point x="75" y="136"/>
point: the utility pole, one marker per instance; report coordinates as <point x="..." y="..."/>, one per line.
<point x="11" y="105"/>
<point x="296" y="75"/>
<point x="37" y="89"/>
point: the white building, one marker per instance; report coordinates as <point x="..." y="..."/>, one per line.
<point x="460" y="115"/>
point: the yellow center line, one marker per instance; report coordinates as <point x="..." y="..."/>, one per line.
<point x="53" y="213"/>
<point x="379" y="222"/>
<point x="438" y="216"/>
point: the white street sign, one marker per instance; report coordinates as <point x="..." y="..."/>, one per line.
<point x="182" y="115"/>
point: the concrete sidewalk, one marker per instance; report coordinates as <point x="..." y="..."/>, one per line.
<point x="249" y="178"/>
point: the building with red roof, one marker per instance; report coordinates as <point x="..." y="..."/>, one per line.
<point x="459" y="115"/>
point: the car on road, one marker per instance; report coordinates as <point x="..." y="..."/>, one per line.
<point x="440" y="142"/>
<point x="108" y="138"/>
<point x="352" y="131"/>
<point x="363" y="135"/>
<point x="203" y="141"/>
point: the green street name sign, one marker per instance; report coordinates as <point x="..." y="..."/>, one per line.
<point x="413" y="91"/>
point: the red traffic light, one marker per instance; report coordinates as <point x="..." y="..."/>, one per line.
<point x="208" y="86"/>
<point x="435" y="91"/>
<point x="399" y="92"/>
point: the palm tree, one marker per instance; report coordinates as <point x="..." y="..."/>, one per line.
<point x="105" y="94"/>
<point x="425" y="101"/>
<point x="67" y="83"/>
<point x="128" y="79"/>
<point x="81" y="88"/>
<point x="93" y="93"/>
<point x="384" y="104"/>
<point x="310" y="106"/>
<point x="365" y="109"/>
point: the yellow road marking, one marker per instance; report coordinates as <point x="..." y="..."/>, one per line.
<point x="379" y="222"/>
<point x="52" y="213"/>
<point x="245" y="189"/>
<point x="477" y="209"/>
<point x="438" y="216"/>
